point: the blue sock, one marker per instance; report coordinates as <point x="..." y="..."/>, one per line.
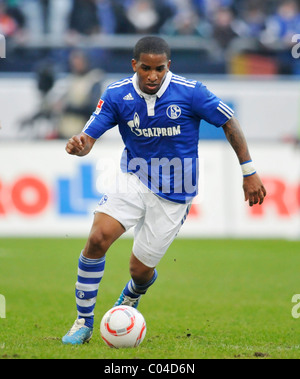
<point x="90" y="273"/>
<point x="134" y="290"/>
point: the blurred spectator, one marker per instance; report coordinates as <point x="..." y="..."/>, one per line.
<point x="207" y="8"/>
<point x="45" y="5"/>
<point x="35" y="17"/>
<point x="185" y="21"/>
<point x="166" y="10"/>
<point x="80" y="97"/>
<point x="66" y="104"/>
<point x="143" y="16"/>
<point x="280" y="27"/>
<point x="254" y="18"/>
<point x="269" y="24"/>
<point x="283" y="24"/>
<point x="106" y="16"/>
<point x="13" y="9"/>
<point x="12" y="21"/>
<point x="83" y="17"/>
<point x="59" y="12"/>
<point x="46" y="16"/>
<point x="8" y="26"/>
<point x="224" y="27"/>
<point x="119" y="9"/>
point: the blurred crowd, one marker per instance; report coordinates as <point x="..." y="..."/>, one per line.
<point x="35" y="29"/>
<point x="66" y="104"/>
<point x="223" y="20"/>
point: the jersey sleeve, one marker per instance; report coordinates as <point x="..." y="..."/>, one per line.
<point x="103" y="119"/>
<point x="209" y="107"/>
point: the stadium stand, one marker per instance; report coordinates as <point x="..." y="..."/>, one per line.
<point x="220" y="36"/>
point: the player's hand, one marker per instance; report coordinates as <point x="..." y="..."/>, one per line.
<point x="254" y="190"/>
<point x="76" y="145"/>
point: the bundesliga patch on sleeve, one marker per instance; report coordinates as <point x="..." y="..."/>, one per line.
<point x="99" y="106"/>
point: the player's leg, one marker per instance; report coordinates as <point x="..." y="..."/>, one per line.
<point x="91" y="264"/>
<point x="114" y="215"/>
<point x="153" y="236"/>
<point x="142" y="278"/>
<point x="104" y="232"/>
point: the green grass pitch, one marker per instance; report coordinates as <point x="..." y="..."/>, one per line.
<point x="213" y="299"/>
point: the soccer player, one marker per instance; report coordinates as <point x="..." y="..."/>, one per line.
<point x="158" y="114"/>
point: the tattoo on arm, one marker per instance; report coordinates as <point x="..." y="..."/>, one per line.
<point x="236" y="138"/>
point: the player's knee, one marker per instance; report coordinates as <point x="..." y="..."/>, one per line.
<point x="98" y="244"/>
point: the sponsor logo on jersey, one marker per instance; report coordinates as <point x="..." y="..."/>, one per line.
<point x="174" y="112"/>
<point x="134" y="125"/>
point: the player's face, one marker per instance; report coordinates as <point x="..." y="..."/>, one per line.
<point x="151" y="70"/>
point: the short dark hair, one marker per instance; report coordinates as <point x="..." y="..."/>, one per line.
<point x="151" y="45"/>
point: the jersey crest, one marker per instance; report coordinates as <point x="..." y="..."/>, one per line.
<point x="174" y="112"/>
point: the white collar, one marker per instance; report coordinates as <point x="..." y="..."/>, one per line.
<point x="161" y="91"/>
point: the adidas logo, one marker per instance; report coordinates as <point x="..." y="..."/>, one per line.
<point x="128" y="97"/>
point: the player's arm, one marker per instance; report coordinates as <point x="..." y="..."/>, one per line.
<point x="80" y="145"/>
<point x="254" y="189"/>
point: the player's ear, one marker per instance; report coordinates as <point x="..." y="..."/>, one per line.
<point x="134" y="63"/>
<point x="169" y="65"/>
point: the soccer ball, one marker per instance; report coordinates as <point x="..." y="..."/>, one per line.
<point x="123" y="326"/>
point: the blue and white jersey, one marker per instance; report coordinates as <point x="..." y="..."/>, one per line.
<point x="160" y="131"/>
